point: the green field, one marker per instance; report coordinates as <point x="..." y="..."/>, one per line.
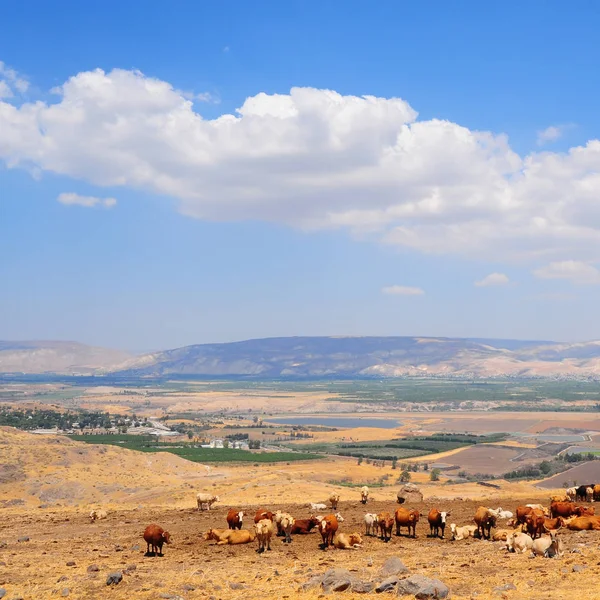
<point x="192" y="453"/>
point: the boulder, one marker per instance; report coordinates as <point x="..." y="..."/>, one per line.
<point x="392" y="566"/>
<point x="337" y="580"/>
<point x="409" y="493"/>
<point x="422" y="588"/>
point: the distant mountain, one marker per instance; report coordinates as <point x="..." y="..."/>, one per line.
<point x="56" y="357"/>
<point x="373" y="356"/>
<point x="317" y="357"/>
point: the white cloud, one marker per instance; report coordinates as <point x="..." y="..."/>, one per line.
<point x="550" y="134"/>
<point x="315" y="159"/>
<point x="71" y="199"/>
<point x="11" y="81"/>
<point x="493" y="279"/>
<point x="402" y="290"/>
<point x="572" y="270"/>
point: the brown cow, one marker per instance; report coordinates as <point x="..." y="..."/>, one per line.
<point x="535" y="523"/>
<point x="407" y="518"/>
<point x="584" y="511"/>
<point x="562" y="509"/>
<point x="263" y="514"/>
<point x="484" y="520"/>
<point x="386" y="524"/>
<point x="328" y="528"/>
<point x="437" y="522"/>
<point x="584" y="523"/>
<point x="597" y="492"/>
<point x="303" y="526"/>
<point x="521" y="514"/>
<point x="234" y="518"/>
<point x="550" y="524"/>
<point x="230" y="536"/>
<point x="155" y="537"/>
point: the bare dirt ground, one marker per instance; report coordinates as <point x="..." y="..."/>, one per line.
<point x="64" y="544"/>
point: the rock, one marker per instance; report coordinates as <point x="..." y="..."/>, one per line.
<point x="63" y="578"/>
<point x="362" y="587"/>
<point x="505" y="587"/>
<point x="71" y="563"/>
<point x="93" y="568"/>
<point x="422" y="587"/>
<point x="576" y="551"/>
<point x="3" y="544"/>
<point x="25" y="538"/>
<point x="188" y="587"/>
<point x="392" y="566"/>
<point x="119" y="548"/>
<point x="135" y="547"/>
<point x="312" y="583"/>
<point x="2" y="592"/>
<point x="114" y="578"/>
<point x="130" y="568"/>
<point x="387" y="585"/>
<point x="170" y="596"/>
<point x="234" y="585"/>
<point x="65" y="592"/>
<point x="578" y="568"/>
<point x="337" y="580"/>
<point x="409" y="493"/>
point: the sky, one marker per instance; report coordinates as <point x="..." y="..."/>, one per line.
<point x="185" y="172"/>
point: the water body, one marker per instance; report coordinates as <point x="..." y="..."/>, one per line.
<point x="341" y="422"/>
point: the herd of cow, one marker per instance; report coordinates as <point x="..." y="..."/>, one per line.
<point x="532" y="526"/>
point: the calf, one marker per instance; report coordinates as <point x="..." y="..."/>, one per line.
<point x="484" y="520"/>
<point x="437" y="522"/>
<point x="98" y="514"/>
<point x="548" y="546"/>
<point x="371" y="524"/>
<point x="264" y="531"/>
<point x="519" y="543"/>
<point x="386" y="524"/>
<point x="304" y="526"/>
<point x="334" y="499"/>
<point x="348" y="541"/>
<point x="328" y="528"/>
<point x="317" y="506"/>
<point x="286" y="523"/>
<point x="462" y="533"/>
<point x="155" y="537"/>
<point x="235" y="518"/>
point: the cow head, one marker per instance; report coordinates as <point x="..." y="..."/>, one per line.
<point x="166" y="537"/>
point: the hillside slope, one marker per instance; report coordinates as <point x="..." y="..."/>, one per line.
<point x="56" y="357"/>
<point x="372" y="356"/>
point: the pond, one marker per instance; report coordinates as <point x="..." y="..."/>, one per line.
<point x="341" y="422"/>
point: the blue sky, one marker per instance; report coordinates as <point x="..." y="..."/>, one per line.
<point x="134" y="215"/>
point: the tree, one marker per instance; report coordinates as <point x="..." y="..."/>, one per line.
<point x="225" y="443"/>
<point x="360" y="459"/>
<point x="425" y="467"/>
<point x="394" y="463"/>
<point x="190" y="435"/>
<point x="404" y="476"/>
<point x="545" y="467"/>
<point x="434" y="475"/>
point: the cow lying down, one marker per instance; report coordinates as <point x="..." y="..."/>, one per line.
<point x="230" y="536"/>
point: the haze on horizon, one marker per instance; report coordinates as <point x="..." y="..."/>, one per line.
<point x="203" y="173"/>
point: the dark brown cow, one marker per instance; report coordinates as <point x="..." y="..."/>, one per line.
<point x="535" y="523"/>
<point x="303" y="526"/>
<point x="437" y="522"/>
<point x="386" y="524"/>
<point x="234" y="518"/>
<point x="263" y="514"/>
<point x="155" y="537"/>
<point x="328" y="526"/>
<point x="484" y="520"/>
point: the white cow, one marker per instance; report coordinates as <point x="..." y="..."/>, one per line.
<point x="206" y="499"/>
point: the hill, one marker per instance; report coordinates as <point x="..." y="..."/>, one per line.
<point x="316" y="357"/>
<point x="56" y="357"/>
<point x="372" y="356"/>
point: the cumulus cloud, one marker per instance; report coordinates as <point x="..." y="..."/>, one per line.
<point x="71" y="199"/>
<point x="493" y="279"/>
<point x="550" y="134"/>
<point x="316" y="159"/>
<point x="576" y="272"/>
<point x="402" y="290"/>
<point x="11" y="82"/>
